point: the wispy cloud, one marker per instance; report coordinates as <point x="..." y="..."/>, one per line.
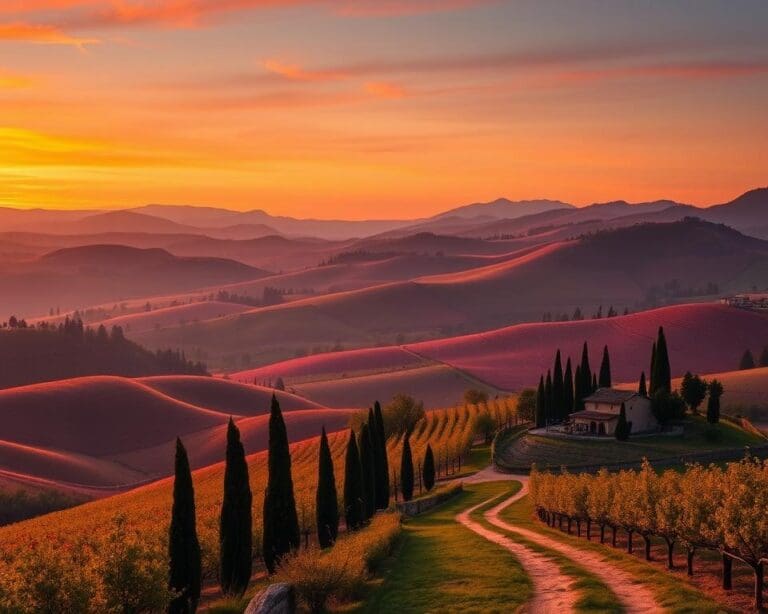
<point x="42" y="34"/>
<point x="671" y="70"/>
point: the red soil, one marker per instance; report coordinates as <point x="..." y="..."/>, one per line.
<point x="703" y="338"/>
<point x="97" y="415"/>
<point x="333" y="363"/>
<point x="228" y="397"/>
<point x="207" y="447"/>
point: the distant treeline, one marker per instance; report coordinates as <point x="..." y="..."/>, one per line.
<point x="49" y="352"/>
<point x="21" y="505"/>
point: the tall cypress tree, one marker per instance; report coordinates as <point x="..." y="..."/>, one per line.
<point x="428" y="471"/>
<point x="382" y="462"/>
<point x="354" y="503"/>
<point x="652" y="372"/>
<point x="661" y="378"/>
<point x="605" y="370"/>
<point x="281" y="524"/>
<point x="568" y="388"/>
<point x="326" y="498"/>
<point x="558" y="393"/>
<point x="367" y="464"/>
<point x="578" y="391"/>
<point x="713" y="402"/>
<point x="235" y="529"/>
<point x="594" y="382"/>
<point x="541" y="412"/>
<point x="586" y="374"/>
<point x="548" y="405"/>
<point x="406" y="469"/>
<point x="622" y="426"/>
<point x="642" y="388"/>
<point x="183" y="546"/>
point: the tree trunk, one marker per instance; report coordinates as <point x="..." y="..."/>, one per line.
<point x="727" y="568"/>
<point x="589" y="529"/>
<point x="569" y="525"/>
<point x="629" y="542"/>
<point x="691" y="552"/>
<point x="647" y="539"/>
<point x="758" y="569"/>
<point x="578" y="528"/>
<point x="670" y="549"/>
<point x="613" y="538"/>
<point x="602" y="534"/>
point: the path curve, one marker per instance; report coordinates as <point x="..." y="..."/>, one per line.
<point x="636" y="598"/>
<point x="552" y="589"/>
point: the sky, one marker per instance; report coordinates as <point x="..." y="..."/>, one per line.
<point x="380" y="108"/>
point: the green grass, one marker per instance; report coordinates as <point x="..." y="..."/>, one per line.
<point x="673" y="594"/>
<point x="594" y="595"/>
<point x="441" y="566"/>
<point x="552" y="452"/>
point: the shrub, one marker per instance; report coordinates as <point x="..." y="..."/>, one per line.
<point x="134" y="576"/>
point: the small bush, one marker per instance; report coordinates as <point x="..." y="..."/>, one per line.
<point x="320" y="576"/>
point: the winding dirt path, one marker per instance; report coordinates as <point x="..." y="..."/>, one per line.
<point x="636" y="598"/>
<point x="552" y="590"/>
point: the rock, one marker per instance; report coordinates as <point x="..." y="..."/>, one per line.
<point x="278" y="598"/>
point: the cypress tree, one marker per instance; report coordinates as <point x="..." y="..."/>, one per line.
<point x="622" y="426"/>
<point x="382" y="462"/>
<point x="642" y="388"/>
<point x="578" y="394"/>
<point x="713" y="403"/>
<point x="594" y="383"/>
<point x="548" y="405"/>
<point x="605" y="370"/>
<point x="429" y="469"/>
<point x="541" y="413"/>
<point x="586" y="374"/>
<point x="747" y="361"/>
<point x="406" y="469"/>
<point x="235" y="529"/>
<point x="763" y="362"/>
<point x="326" y="498"/>
<point x="558" y="394"/>
<point x="661" y="378"/>
<point x="353" y="486"/>
<point x="653" y="369"/>
<point x="183" y="546"/>
<point x="368" y="467"/>
<point x="568" y="388"/>
<point x="281" y="524"/>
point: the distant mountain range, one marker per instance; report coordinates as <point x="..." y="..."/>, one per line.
<point x="748" y="213"/>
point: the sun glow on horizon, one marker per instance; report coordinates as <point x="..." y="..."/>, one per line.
<point x="392" y="110"/>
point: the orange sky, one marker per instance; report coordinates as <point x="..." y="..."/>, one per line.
<point x="364" y="109"/>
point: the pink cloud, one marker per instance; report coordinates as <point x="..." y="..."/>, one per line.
<point x="42" y="34"/>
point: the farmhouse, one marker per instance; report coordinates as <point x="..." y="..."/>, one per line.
<point x="601" y="412"/>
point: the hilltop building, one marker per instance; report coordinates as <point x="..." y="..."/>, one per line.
<point x="601" y="412"/>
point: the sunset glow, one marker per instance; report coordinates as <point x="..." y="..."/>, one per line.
<point x="388" y="109"/>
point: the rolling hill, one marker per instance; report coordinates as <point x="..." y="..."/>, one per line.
<point x="81" y="276"/>
<point x="34" y="355"/>
<point x="98" y="435"/>
<point x="637" y="267"/>
<point x="703" y="338"/>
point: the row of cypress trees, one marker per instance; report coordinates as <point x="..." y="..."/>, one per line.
<point x="563" y="392"/>
<point x="280" y="521"/>
<point x="366" y="489"/>
<point x="366" y="472"/>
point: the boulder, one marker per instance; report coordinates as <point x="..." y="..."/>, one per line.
<point x="278" y="598"/>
